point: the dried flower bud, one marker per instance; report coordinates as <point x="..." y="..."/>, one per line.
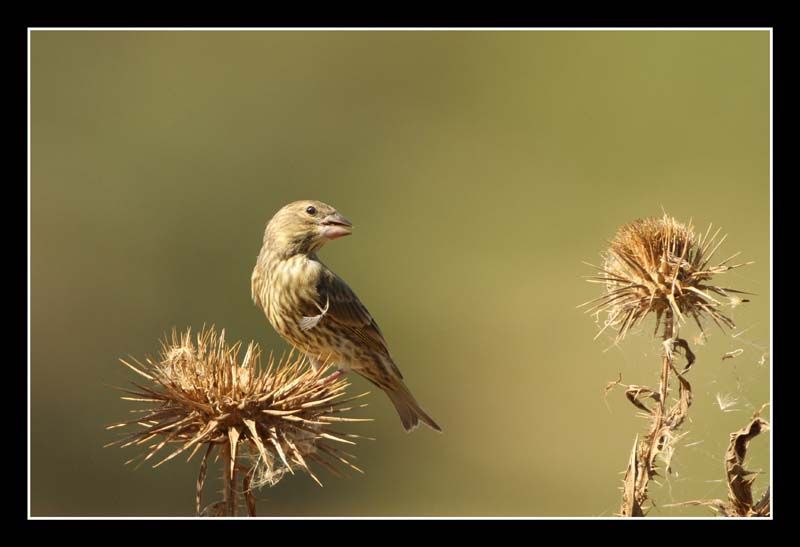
<point x="277" y="420"/>
<point x="660" y="265"/>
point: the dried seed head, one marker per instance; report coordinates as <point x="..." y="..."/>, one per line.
<point x="277" y="420"/>
<point x="660" y="265"/>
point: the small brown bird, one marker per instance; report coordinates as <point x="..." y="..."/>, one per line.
<point x="316" y="311"/>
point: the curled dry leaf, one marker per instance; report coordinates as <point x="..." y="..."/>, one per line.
<point x="740" y="481"/>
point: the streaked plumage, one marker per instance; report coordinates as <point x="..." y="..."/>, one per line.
<point x="316" y="311"/>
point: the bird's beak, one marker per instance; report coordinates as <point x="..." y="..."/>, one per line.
<point x="335" y="226"/>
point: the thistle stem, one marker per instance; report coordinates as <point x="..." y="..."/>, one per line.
<point x="229" y="482"/>
<point x="663" y="387"/>
<point x="644" y="457"/>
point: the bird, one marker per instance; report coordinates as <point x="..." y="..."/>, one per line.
<point x="316" y="311"/>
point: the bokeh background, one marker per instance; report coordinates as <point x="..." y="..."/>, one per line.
<point x="480" y="170"/>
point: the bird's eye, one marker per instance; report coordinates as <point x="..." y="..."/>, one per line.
<point x="311" y="210"/>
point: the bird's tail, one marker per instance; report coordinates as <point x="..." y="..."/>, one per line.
<point x="407" y="407"/>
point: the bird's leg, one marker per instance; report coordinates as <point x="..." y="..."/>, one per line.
<point x="333" y="376"/>
<point x="338" y="373"/>
<point x="315" y="364"/>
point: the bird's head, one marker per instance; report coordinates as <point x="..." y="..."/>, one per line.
<point x="304" y="226"/>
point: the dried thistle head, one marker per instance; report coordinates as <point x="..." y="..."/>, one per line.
<point x="275" y="420"/>
<point x="662" y="266"/>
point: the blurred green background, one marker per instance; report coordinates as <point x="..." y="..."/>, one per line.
<point x="480" y="170"/>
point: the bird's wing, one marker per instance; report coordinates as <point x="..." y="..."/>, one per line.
<point x="346" y="310"/>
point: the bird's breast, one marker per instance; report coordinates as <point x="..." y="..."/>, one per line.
<point x="289" y="291"/>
